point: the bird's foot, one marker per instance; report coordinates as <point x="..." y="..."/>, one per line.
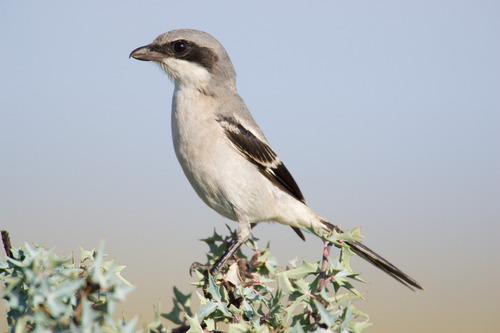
<point x="196" y="265"/>
<point x="215" y="269"/>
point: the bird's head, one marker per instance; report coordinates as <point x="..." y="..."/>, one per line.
<point x="190" y="58"/>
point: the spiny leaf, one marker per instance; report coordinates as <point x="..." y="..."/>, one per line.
<point x="184" y="300"/>
<point x="213" y="289"/>
<point x="207" y="308"/>
<point x="327" y="317"/>
<point x="194" y="325"/>
<point x="301" y="272"/>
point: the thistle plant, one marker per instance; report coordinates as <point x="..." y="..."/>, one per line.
<point x="254" y="293"/>
<point x="49" y="293"/>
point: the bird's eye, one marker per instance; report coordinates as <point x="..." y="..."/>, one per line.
<point x="180" y="46"/>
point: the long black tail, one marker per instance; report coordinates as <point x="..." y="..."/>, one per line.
<point x="378" y="261"/>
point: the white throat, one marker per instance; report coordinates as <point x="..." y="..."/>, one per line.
<point x="185" y="73"/>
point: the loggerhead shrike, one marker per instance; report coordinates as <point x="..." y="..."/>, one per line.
<point x="223" y="152"/>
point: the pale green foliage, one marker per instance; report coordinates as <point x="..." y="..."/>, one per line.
<point x="48" y="293"/>
<point x="257" y="295"/>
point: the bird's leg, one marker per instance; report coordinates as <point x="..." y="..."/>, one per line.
<point x="243" y="233"/>
<point x="233" y="247"/>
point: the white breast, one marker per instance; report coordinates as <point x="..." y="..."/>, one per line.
<point x="223" y="178"/>
<point x="197" y="142"/>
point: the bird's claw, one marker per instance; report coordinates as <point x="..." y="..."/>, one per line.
<point x="196" y="265"/>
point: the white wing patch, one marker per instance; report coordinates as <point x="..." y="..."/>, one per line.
<point x="262" y="155"/>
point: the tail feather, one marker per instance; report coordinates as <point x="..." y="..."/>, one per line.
<point x="378" y="261"/>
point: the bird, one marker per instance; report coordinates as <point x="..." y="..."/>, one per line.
<point x="224" y="153"/>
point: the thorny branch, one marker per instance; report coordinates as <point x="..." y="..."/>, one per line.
<point x="324" y="264"/>
<point x="6" y="243"/>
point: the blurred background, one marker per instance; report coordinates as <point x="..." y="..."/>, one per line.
<point x="386" y="113"/>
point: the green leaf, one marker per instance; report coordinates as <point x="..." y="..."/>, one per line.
<point x="156" y="324"/>
<point x="194" y="325"/>
<point x="213" y="289"/>
<point x="297" y="328"/>
<point x="207" y="309"/>
<point x="222" y="306"/>
<point x="301" y="272"/>
<point x="210" y="324"/>
<point x="298" y="302"/>
<point x="184" y="300"/>
<point x="326" y="317"/>
<point x="174" y="314"/>
<point x="357" y="327"/>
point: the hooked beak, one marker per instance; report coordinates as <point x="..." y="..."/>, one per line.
<point x="145" y="53"/>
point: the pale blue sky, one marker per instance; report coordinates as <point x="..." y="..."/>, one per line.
<point x="386" y="113"/>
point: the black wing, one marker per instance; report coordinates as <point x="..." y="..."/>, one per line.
<point x="264" y="157"/>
